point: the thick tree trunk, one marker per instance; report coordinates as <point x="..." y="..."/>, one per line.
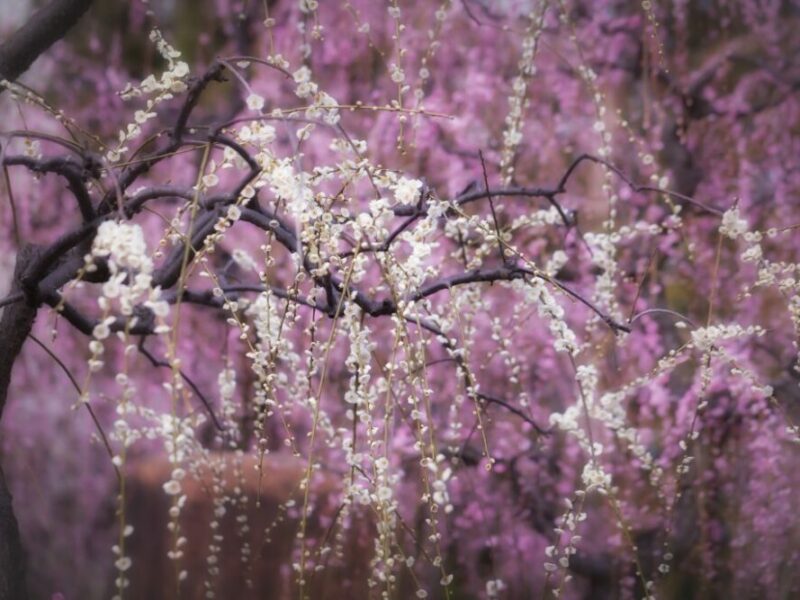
<point x="15" y="326"/>
<point x="12" y="557"/>
<point x="17" y="53"/>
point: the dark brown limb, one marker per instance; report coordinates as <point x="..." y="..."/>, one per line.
<point x="48" y="25"/>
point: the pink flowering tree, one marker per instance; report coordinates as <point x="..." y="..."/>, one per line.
<point x="514" y="284"/>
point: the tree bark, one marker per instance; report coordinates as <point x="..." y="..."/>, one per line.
<point x="17" y="53"/>
<point x="15" y="325"/>
<point x="48" y="25"/>
<point x="12" y="556"/>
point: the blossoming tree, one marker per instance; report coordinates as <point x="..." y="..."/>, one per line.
<point x="514" y="283"/>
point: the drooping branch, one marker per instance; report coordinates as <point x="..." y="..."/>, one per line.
<point x="513" y="410"/>
<point x="631" y="184"/>
<point x="63" y="260"/>
<point x="466" y="374"/>
<point x="131" y="173"/>
<point x="165" y="364"/>
<point x="169" y="273"/>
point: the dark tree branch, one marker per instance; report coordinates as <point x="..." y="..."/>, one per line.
<point x="144" y="323"/>
<point x="164" y="364"/>
<point x="12" y="299"/>
<point x="390" y="239"/>
<point x="488" y="191"/>
<point x="48" y="25"/>
<point x="269" y="221"/>
<point x="74" y="382"/>
<point x="514" y="410"/>
<point x="74" y="173"/>
<point x="170" y="271"/>
<point x="207" y="297"/>
<point x="56" y="252"/>
<point x="137" y="202"/>
<point x="478" y="276"/>
<point x="631" y="184"/>
<point x="548" y="194"/>
<point x="133" y="172"/>
<point x="461" y="364"/>
<point x="213" y="73"/>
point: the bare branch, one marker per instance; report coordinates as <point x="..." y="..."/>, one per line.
<point x="43" y="29"/>
<point x="164" y="364"/>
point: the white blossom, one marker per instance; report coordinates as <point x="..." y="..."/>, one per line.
<point x="406" y="191"/>
<point x="733" y="225"/>
<point x="255" y="102"/>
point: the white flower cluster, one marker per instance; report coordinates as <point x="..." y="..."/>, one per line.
<point x="412" y="271"/>
<point x="559" y="557"/>
<point x="433" y="35"/>
<point x="512" y="134"/>
<point x="595" y="478"/>
<point x="285" y="183"/>
<point x="611" y="410"/>
<point x="123" y="433"/>
<point x="322" y="105"/>
<point x="258" y="134"/>
<point x="302" y="78"/>
<point x="406" y="191"/>
<point x="785" y="276"/>
<point x="269" y="346"/>
<point x="171" y="82"/>
<point x="568" y="421"/>
<point x="538" y="218"/>
<point x="267" y="321"/>
<point x="604" y="255"/>
<point x="226" y="381"/>
<point x="556" y="263"/>
<point x="704" y="338"/>
<point x="493" y="588"/>
<point x="325" y="107"/>
<point x="122" y="563"/>
<point x="255" y="102"/>
<point x="362" y="397"/>
<point x="587" y="378"/>
<point x="535" y="293"/>
<point x="733" y="225"/>
<point x="178" y="436"/>
<point x="383" y="499"/>
<point x="123" y="247"/>
<point x="359" y="359"/>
